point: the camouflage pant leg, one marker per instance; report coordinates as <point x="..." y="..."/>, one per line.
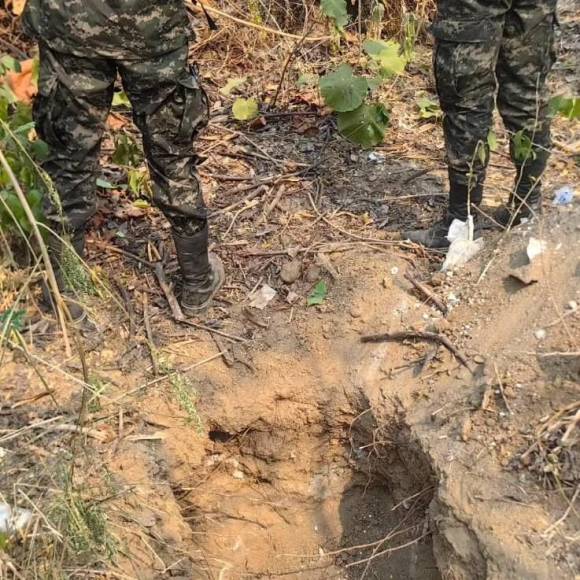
<point x="475" y="41"/>
<point x="468" y="37"/>
<point x="170" y="108"/>
<point x="70" y="112"/>
<point x="525" y="59"/>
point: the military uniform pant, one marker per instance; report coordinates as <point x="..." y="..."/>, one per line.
<point x="487" y="49"/>
<point x="169" y="108"/>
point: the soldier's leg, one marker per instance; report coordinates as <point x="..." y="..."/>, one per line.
<point x="70" y="112"/>
<point x="467" y="40"/>
<point x="170" y="108"/>
<point x="525" y="59"/>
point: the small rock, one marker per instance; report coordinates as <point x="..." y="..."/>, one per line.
<point x="478" y="359"/>
<point x="291" y="271"/>
<point x="540" y="334"/>
<point x="356" y="311"/>
<point x="572" y="305"/>
<point x="437" y="279"/>
<point x="312" y="274"/>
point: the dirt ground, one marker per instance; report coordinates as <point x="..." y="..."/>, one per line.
<point x="277" y="443"/>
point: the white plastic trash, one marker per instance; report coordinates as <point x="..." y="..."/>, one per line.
<point x="12" y="519"/>
<point x="463" y="247"/>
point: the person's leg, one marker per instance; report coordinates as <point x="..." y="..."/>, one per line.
<point x="467" y="36"/>
<point x="74" y="96"/>
<point x="170" y="108"/>
<point x="525" y="59"/>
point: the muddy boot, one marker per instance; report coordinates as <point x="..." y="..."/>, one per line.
<point x="202" y="272"/>
<point x="59" y="253"/>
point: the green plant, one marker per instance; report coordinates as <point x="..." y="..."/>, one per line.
<point x="82" y="522"/>
<point x="522" y="146"/>
<point x="567" y="107"/>
<point x="24" y="151"/>
<point x="428" y="109"/>
<point x="346" y="93"/>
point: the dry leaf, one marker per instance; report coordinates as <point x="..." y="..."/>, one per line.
<point x="17" y="6"/>
<point x="21" y="83"/>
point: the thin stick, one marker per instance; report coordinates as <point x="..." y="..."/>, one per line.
<point x="566" y="513"/>
<point x="501" y="390"/>
<point x="61" y="307"/>
<point x="427" y="293"/>
<point x="168" y="291"/>
<point x="149" y="334"/>
<point x="287" y="62"/>
<point x="409" y="335"/>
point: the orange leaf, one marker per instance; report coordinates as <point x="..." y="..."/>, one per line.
<point x="17" y="6"/>
<point x="21" y="83"/>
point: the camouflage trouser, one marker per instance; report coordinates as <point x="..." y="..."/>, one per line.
<point x="169" y="108"/>
<point x="484" y="48"/>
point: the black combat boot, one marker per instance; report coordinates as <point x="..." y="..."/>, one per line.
<point x="202" y="272"/>
<point x="519" y="207"/>
<point x="59" y="253"/>
<point x="436" y="236"/>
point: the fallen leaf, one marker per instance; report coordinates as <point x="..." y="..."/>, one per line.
<point x="17" y="6"/>
<point x="22" y="83"/>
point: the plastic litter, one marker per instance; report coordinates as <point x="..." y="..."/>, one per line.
<point x="376" y="157"/>
<point x="535" y="248"/>
<point x="13" y="520"/>
<point x="463" y="247"/>
<point x="262" y="297"/>
<point x="564" y="195"/>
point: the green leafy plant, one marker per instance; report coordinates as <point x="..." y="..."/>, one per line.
<point x="522" y="146"/>
<point x="336" y="11"/>
<point x="428" y="109"/>
<point x="24" y="151"/>
<point x="346" y="93"/>
<point x="567" y="107"/>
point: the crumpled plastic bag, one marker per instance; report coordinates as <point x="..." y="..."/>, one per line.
<point x="12" y="519"/>
<point x="463" y="247"/>
<point x="564" y="195"/>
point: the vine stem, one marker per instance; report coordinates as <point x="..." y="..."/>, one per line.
<point x="61" y="307"/>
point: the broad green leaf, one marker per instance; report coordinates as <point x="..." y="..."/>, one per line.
<point x="568" y="107"/>
<point x="342" y="91"/>
<point x="142" y="204"/>
<point x="245" y="109"/>
<point x="387" y="55"/>
<point x="428" y="109"/>
<point x="104" y="184"/>
<point x="318" y="294"/>
<point x="138" y="181"/>
<point x="365" y="126"/>
<point x="232" y="85"/>
<point x="335" y="9"/>
<point x="492" y="140"/>
<point x="120" y="99"/>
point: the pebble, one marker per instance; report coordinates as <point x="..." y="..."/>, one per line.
<point x="291" y="271"/>
<point x="312" y="274"/>
<point x="540" y="334"/>
<point x="356" y="311"/>
<point x="437" y="279"/>
<point x="478" y="359"/>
